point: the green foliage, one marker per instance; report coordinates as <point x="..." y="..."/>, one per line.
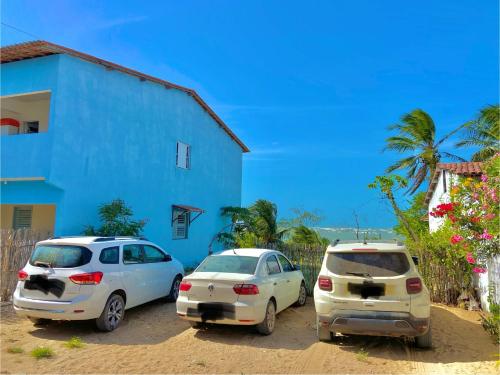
<point x="307" y="236"/>
<point x="15" y="350"/>
<point x="362" y="355"/>
<point x="415" y="215"/>
<point x="491" y="321"/>
<point x="484" y="133"/>
<point x="74" y="343"/>
<point x="116" y="218"/>
<point x="42" y="352"/>
<point x="416" y="135"/>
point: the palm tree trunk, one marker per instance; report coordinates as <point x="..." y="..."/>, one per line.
<point x="401" y="216"/>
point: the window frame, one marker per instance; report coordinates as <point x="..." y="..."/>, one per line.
<point x="277" y="261"/>
<point x="14" y="217"/>
<point x="153" y="247"/>
<point x="186" y="163"/>
<point x="109" y="248"/>
<point x="141" y="254"/>
<point x="292" y="268"/>
<point x="175" y="223"/>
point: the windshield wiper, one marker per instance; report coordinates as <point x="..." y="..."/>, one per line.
<point x="360" y="274"/>
<point x="42" y="264"/>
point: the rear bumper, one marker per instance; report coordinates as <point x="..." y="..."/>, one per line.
<point x="83" y="307"/>
<point x="238" y="313"/>
<point x="376" y="324"/>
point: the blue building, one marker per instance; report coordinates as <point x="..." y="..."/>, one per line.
<point x="78" y="131"/>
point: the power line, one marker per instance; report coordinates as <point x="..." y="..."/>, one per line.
<point x="21" y="31"/>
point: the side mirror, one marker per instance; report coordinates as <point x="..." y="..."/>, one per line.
<point x="168" y="258"/>
<point x="296" y="267"/>
<point x="415" y="259"/>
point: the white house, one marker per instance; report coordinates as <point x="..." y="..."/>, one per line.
<point x="446" y="175"/>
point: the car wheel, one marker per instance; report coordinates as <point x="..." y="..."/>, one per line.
<point x="302" y="295"/>
<point x="324" y="333"/>
<point x="424" y="341"/>
<point x="112" y="315"/>
<point x="174" y="290"/>
<point x="266" y="327"/>
<point x="39" y="321"/>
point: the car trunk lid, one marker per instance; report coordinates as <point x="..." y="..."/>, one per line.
<point x="215" y="286"/>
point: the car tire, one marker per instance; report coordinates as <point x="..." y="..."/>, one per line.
<point x="324" y="334"/>
<point x="39" y="321"/>
<point x="424" y="341"/>
<point x="302" y="295"/>
<point x="266" y="327"/>
<point x="112" y="315"/>
<point x="174" y="289"/>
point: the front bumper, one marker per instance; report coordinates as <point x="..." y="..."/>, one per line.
<point x="395" y="324"/>
<point x="238" y="313"/>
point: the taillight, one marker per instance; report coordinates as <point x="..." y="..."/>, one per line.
<point x="246" y="289"/>
<point x="185" y="286"/>
<point x="22" y="275"/>
<point x="325" y="283"/>
<point x="91" y="278"/>
<point x="413" y="285"/>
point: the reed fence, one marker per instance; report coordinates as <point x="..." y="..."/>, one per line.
<point x="15" y="250"/>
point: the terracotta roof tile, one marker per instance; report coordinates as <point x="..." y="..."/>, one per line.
<point x="41" y="48"/>
<point x="463" y="169"/>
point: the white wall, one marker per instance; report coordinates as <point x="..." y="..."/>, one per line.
<point x="440" y="196"/>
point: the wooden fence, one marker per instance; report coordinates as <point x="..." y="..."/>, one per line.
<point x="308" y="258"/>
<point x="15" y="250"/>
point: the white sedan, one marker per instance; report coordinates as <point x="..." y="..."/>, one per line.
<point x="243" y="287"/>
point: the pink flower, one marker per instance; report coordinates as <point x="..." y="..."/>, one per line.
<point x="486" y="235"/>
<point x="456" y="238"/>
<point x="489" y="216"/>
<point x="484" y="178"/>
<point x="479" y="270"/>
<point x="470" y="258"/>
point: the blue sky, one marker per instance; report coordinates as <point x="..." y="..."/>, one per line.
<point x="310" y="87"/>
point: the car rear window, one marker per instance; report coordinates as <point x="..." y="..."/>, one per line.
<point x="229" y="264"/>
<point x="372" y="264"/>
<point x="60" y="256"/>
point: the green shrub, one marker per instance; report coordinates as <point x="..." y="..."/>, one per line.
<point x="15" y="350"/>
<point x="74" y="343"/>
<point x="42" y="352"/>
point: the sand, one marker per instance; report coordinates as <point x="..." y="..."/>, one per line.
<point x="153" y="340"/>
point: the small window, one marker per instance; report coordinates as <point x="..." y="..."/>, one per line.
<point x="132" y="254"/>
<point x="272" y="265"/>
<point x="22" y="217"/>
<point x="109" y="255"/>
<point x="30" y="127"/>
<point x="153" y="255"/>
<point x="183" y="159"/>
<point x="285" y="264"/>
<point x="180" y="223"/>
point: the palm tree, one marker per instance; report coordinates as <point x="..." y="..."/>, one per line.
<point x="417" y="136"/>
<point x="483" y="132"/>
<point x="264" y="222"/>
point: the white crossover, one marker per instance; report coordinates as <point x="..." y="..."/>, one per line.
<point x="372" y="289"/>
<point x="241" y="286"/>
<point x="78" y="278"/>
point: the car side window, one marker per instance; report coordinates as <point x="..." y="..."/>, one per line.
<point x="272" y="265"/>
<point x="132" y="254"/>
<point x="109" y="255"/>
<point x="153" y="255"/>
<point x="285" y="264"/>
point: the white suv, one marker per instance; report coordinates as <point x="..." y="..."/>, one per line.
<point x="371" y="289"/>
<point x="78" y="278"/>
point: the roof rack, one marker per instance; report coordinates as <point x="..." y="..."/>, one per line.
<point x="104" y="239"/>
<point x="394" y="241"/>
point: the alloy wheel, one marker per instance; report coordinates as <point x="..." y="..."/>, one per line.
<point x="115" y="313"/>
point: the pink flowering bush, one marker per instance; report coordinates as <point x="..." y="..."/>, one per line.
<point x="473" y="214"/>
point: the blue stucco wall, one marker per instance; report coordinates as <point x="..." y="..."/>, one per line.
<point x="114" y="136"/>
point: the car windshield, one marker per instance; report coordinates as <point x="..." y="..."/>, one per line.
<point x="229" y="264"/>
<point x="60" y="256"/>
<point x="368" y="264"/>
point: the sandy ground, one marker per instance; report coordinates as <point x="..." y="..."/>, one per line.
<point x="153" y="340"/>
